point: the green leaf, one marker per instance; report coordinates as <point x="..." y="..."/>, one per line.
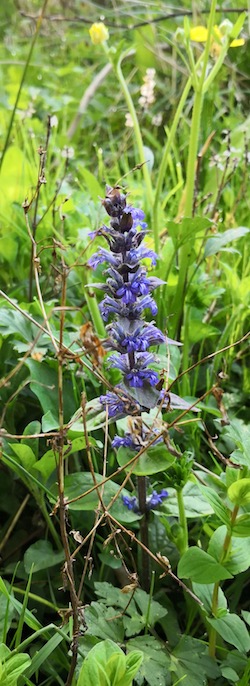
<point x="238" y="557"/>
<point x="195" y="504"/>
<point x="41" y="555"/>
<point x="246" y="616"/>
<point x="13" y="667"/>
<point x="216" y="503"/>
<point x="191" y="663"/>
<point x="187" y="229"/>
<point x="239" y="432"/>
<point x="94" y="189"/>
<point x="198" y="566"/>
<point x="44" y="653"/>
<point x="32" y="428"/>
<point x="79" y="483"/>
<point x="44" y="384"/>
<point x="25" y="455"/>
<point x="107" y="664"/>
<point x="214" y="245"/>
<point x="154" y="460"/>
<point x="98" y="618"/>
<point x="239" y="492"/>
<point x="205" y="593"/>
<point x="233" y="630"/>
<point x="47" y="463"/>
<point x="155" y="666"/>
<point x="241" y="527"/>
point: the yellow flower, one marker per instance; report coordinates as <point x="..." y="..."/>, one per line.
<point x="98" y="33"/>
<point x="199" y="34"/>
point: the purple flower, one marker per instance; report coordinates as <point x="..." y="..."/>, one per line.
<point x="137" y="216"/>
<point x="131" y="503"/>
<point x="137" y="377"/>
<point x="118" y="406"/>
<point x="139" y="373"/>
<point x="134" y="336"/>
<point x="152" y="501"/>
<point x="124" y="442"/>
<point x="156" y="499"/>
<point x="103" y="256"/>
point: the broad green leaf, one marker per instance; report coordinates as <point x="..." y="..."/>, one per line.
<point x="233" y="630"/>
<point x="214" y="244"/>
<point x="239" y="492"/>
<point x="198" y="566"/>
<point x="44" y="384"/>
<point x="238" y="557"/>
<point x="13" y="667"/>
<point x="25" y="455"/>
<point x="79" y="483"/>
<point x="241" y="527"/>
<point x="205" y="594"/>
<point x="155" y="666"/>
<point x="32" y="428"/>
<point x="195" y="503"/>
<point x="47" y="463"/>
<point x="216" y="503"/>
<point x="102" y="622"/>
<point x="239" y="432"/>
<point x="191" y="663"/>
<point x="41" y="555"/>
<point x="155" y="459"/>
<point x="107" y="664"/>
<point x="246" y="616"/>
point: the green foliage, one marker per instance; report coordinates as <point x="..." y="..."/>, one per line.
<point x="64" y="524"/>
<point x="106" y="663"/>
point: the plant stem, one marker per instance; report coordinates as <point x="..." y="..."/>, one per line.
<point x="49" y="523"/>
<point x="68" y="565"/>
<point x="94" y="312"/>
<point x="164" y="161"/>
<point x="145" y="570"/>
<point x="185" y="250"/>
<point x="183" y="543"/>
<point x="224" y="554"/>
<point x="137" y="130"/>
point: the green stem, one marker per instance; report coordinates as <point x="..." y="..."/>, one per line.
<point x="185" y="250"/>
<point x="38" y="26"/>
<point x="49" y="523"/>
<point x="164" y="161"/>
<point x="145" y="564"/>
<point x="137" y="130"/>
<point x="223" y="557"/>
<point x="183" y="542"/>
<point x="151" y="591"/>
<point x="36" y="598"/>
<point x="94" y="312"/>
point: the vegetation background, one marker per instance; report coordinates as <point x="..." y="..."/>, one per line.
<point x="163" y="111"/>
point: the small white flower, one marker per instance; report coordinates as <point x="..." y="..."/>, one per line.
<point x="147" y="96"/>
<point x="53" y="121"/>
<point x="68" y="152"/>
<point x="128" y="120"/>
<point x="157" y="119"/>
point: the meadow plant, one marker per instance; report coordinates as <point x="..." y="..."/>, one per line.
<point x="128" y="290"/>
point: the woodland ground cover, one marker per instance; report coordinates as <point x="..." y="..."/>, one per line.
<point x="124" y="344"/>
